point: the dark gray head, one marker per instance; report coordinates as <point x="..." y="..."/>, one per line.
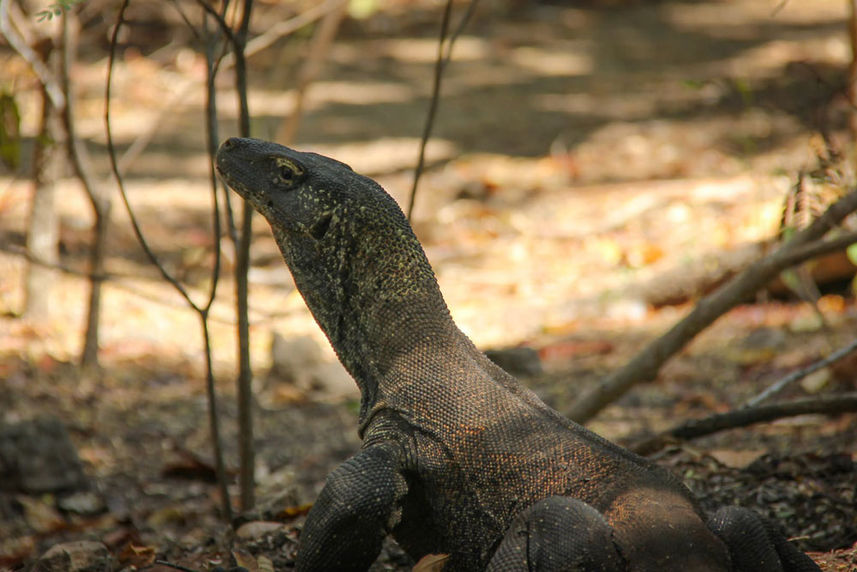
<point x="298" y="192"/>
<point x="350" y="249"/>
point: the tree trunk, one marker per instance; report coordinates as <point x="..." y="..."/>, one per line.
<point x="95" y="191"/>
<point x="43" y="225"/>
<point x="89" y="355"/>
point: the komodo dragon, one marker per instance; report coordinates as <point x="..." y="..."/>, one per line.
<point x="458" y="458"/>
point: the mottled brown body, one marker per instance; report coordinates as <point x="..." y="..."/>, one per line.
<point x="459" y="458"/>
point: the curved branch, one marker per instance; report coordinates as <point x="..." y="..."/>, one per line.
<point x="825" y="405"/>
<point x="96" y="192"/>
<point x="114" y="165"/>
<point x="211" y="147"/>
<point x="443" y="57"/>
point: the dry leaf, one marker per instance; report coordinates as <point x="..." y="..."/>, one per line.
<point x="257" y="528"/>
<point x="571" y="348"/>
<point x="736" y="459"/>
<point x="14" y="550"/>
<point x="643" y="254"/>
<point x="265" y="564"/>
<point x="40" y="516"/>
<point x="293" y="511"/>
<point x="246" y="560"/>
<point x="431" y="563"/>
<point x="817" y="380"/>
<point x="186" y="465"/>
<point x="137" y="556"/>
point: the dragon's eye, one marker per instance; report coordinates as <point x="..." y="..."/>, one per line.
<point x="288" y="172"/>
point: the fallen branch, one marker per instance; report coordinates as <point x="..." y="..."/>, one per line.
<point x="646" y="364"/>
<point x="824" y="405"/>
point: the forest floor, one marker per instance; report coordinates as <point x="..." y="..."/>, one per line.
<point x="578" y="155"/>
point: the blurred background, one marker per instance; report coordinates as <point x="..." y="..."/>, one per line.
<point x="595" y="167"/>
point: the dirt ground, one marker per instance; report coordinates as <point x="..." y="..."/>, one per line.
<point x="580" y="152"/>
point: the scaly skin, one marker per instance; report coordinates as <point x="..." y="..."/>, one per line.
<point x="458" y="458"/>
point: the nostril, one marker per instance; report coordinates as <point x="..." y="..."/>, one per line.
<point x="229" y="143"/>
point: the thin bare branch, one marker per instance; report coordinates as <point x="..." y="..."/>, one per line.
<point x="785" y="381"/>
<point x="444" y="54"/>
<point x="218" y="17"/>
<point x="778" y="8"/>
<point x="111" y="152"/>
<point x="212" y="140"/>
<point x="80" y="160"/>
<point x="214" y="422"/>
<point x="122" y="281"/>
<point x="824" y="405"/>
<point x="282" y="29"/>
<point x="465" y="19"/>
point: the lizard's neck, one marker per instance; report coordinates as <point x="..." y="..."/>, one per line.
<point x="388" y="312"/>
<point x="377" y="303"/>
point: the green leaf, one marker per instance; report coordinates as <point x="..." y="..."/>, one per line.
<point x="56" y="9"/>
<point x="851" y="253"/>
<point x="10" y="131"/>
